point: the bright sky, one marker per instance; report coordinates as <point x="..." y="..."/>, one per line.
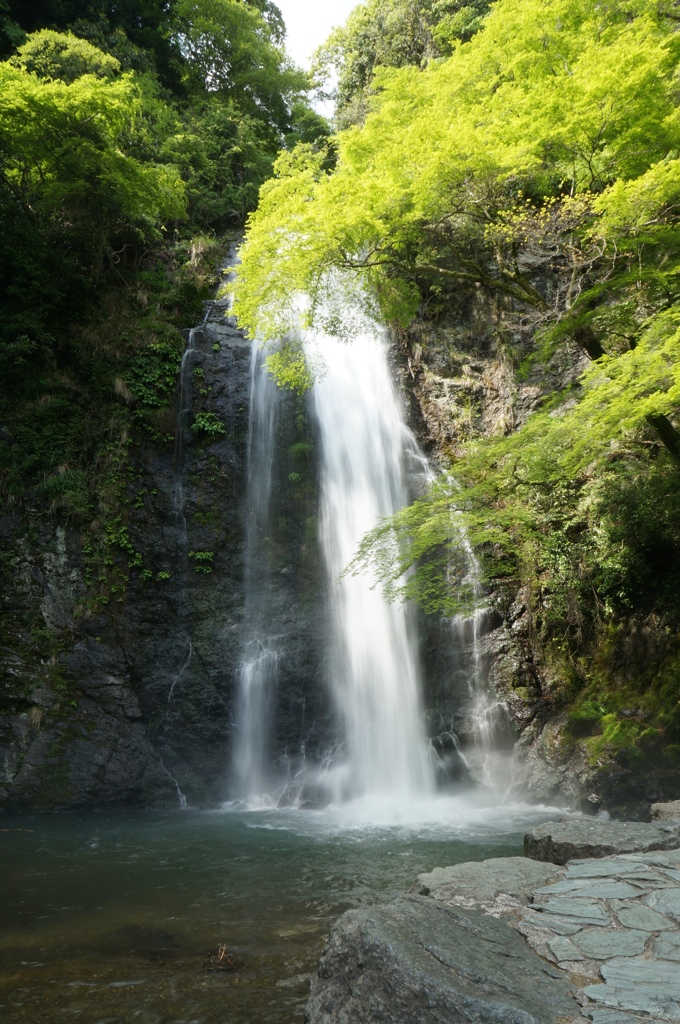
<point x="309" y="23"/>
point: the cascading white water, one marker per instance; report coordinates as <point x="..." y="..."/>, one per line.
<point x="259" y="670"/>
<point x="490" y="724"/>
<point x="373" y="667"/>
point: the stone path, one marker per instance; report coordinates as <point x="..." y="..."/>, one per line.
<point x="608" y="918"/>
<point x="584" y="928"/>
<point x="614" y="925"/>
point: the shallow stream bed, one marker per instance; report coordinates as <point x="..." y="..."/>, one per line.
<point x="109" y="919"/>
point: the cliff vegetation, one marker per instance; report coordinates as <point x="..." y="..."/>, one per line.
<point x="525" y="156"/>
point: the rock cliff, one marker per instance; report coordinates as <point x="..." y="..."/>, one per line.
<point x="469" y="370"/>
<point x="131" y="700"/>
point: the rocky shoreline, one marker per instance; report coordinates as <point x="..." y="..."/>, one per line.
<point x="584" y="927"/>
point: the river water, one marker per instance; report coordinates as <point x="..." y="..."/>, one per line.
<point x="109" y="919"/>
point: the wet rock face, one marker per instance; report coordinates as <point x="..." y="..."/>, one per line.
<point x="138" y="700"/>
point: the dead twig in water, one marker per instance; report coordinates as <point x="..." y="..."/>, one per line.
<point x="222" y="960"/>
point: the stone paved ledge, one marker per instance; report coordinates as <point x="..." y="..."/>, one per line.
<point x="611" y="925"/>
<point x="515" y="940"/>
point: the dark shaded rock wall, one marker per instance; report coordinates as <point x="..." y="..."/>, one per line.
<point x="136" y="701"/>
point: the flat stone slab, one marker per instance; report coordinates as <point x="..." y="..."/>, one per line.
<point x="647" y="986"/>
<point x="582" y="912"/>
<point x="667" y="946"/>
<point x="482" y="881"/>
<point x="578" y="838"/>
<point x="564" y="949"/>
<point x="603" y="944"/>
<point x="419" y="961"/>
<point x="613" y="1017"/>
<point x="455" y="958"/>
<point x="635" y="915"/>
<point x="666" y="902"/>
<point x="599" y="889"/>
<point x="558" y="925"/>
<point x="610" y="867"/>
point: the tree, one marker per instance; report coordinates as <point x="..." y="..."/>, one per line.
<point x="549" y="104"/>
<point x="390" y="33"/>
<point x="72" y="192"/>
<point x="62" y="56"/>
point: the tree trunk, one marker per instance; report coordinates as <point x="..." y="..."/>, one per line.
<point x="585" y="338"/>
<point x="667" y="433"/>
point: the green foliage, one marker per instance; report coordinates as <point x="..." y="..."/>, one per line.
<point x="68" y="491"/>
<point x="576" y="97"/>
<point x="55" y="55"/>
<point x="130" y="133"/>
<point x="391" y="33"/>
<point x="207" y="425"/>
<point x="585" y="718"/>
<point x="203" y="560"/>
<point x="11" y="35"/>
<point x="290" y="368"/>
<point x="152" y="377"/>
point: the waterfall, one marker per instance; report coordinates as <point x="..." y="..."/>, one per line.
<point x="368" y="461"/>
<point x="181" y="429"/>
<point x="259" y="671"/>
<point x="373" y="665"/>
<point x="489" y="725"/>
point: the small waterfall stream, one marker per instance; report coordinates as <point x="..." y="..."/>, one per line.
<point x="259" y="670"/>
<point x="488" y="720"/>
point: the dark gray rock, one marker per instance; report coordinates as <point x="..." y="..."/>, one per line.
<point x="577" y="838"/>
<point x="140" y="695"/>
<point x="666" y="811"/>
<point x="418" y="961"/>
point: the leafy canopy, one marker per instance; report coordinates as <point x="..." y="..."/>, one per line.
<point x="390" y="33"/>
<point x="539" y="163"/>
<point x="549" y="98"/>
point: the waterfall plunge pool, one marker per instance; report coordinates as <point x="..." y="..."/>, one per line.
<point x="108" y="919"/>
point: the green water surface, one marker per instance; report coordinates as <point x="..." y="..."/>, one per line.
<point x="109" y="919"/>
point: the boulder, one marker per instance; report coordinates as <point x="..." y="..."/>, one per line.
<point x="666" y="812"/>
<point x="419" y="961"/>
<point x="578" y="838"/>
